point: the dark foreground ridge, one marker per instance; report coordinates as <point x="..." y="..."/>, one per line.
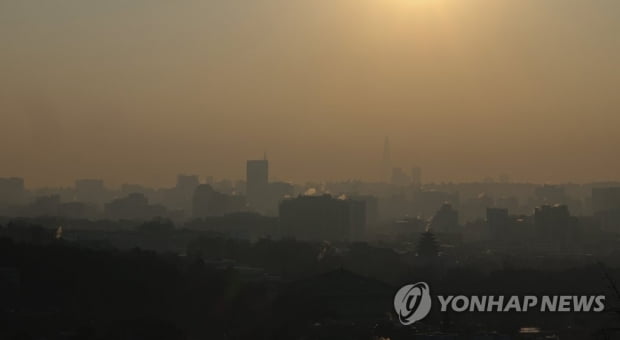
<point x="234" y="289"/>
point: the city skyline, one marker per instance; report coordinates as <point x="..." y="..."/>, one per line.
<point x="169" y="179"/>
<point x="309" y="169"/>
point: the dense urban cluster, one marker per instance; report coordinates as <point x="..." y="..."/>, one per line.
<point x="256" y="258"/>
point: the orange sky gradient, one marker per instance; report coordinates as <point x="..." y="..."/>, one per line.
<point x="138" y="91"/>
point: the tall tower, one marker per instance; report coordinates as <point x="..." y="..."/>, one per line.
<point x="387" y="160"/>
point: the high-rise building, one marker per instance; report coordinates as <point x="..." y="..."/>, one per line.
<point x="321" y="218"/>
<point x="553" y="223"/>
<point x="257" y="181"/>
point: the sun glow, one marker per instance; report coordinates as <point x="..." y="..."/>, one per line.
<point x="428" y="4"/>
<point x="424" y="19"/>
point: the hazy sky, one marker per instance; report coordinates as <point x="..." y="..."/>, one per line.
<point x="137" y="91"/>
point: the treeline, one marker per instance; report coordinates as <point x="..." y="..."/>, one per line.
<point x="69" y="292"/>
<point x="59" y="290"/>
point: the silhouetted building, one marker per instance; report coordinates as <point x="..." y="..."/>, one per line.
<point x="399" y="177"/>
<point x="12" y="191"/>
<point x="127" y="189"/>
<point x="358" y="218"/>
<point x="180" y="197"/>
<point x="187" y="182"/>
<point x="276" y="192"/>
<point x="511" y="203"/>
<point x="474" y="208"/>
<point x="257" y="180"/>
<point x="322" y="218"/>
<point x="553" y="223"/>
<point x="498" y="222"/>
<point x="224" y="186"/>
<point x="77" y="210"/>
<point x="394" y="206"/>
<point x="426" y="202"/>
<point x="551" y="194"/>
<point x="44" y="206"/>
<point x="208" y="202"/>
<point x="446" y="220"/>
<point x="372" y="207"/>
<point x="240" y="187"/>
<point x="416" y="177"/>
<point x="133" y="207"/>
<point x="606" y="207"/>
<point x="605" y="199"/>
<point x="90" y="191"/>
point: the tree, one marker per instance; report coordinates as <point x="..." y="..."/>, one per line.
<point x="427" y="245"/>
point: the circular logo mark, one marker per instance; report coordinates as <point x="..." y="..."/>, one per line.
<point x="412" y="303"/>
